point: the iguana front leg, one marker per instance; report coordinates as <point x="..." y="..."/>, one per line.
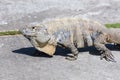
<point x="74" y="51"/>
<point x="72" y="48"/>
<point x="64" y="39"/>
<point x="99" y="43"/>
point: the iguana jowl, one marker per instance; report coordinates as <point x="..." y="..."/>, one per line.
<point x="71" y="32"/>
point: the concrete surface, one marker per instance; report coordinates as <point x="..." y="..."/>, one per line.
<point x="17" y="63"/>
<point x="16" y="53"/>
<point x="18" y="13"/>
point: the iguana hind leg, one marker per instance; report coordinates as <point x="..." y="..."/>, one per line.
<point x="99" y="43"/>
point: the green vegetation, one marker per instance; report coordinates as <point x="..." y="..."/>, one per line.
<point x="115" y="25"/>
<point x="9" y="33"/>
<point x="15" y="32"/>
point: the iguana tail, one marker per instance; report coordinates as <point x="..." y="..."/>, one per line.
<point x="114" y="35"/>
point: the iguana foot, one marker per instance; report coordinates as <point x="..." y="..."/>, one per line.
<point x="108" y="56"/>
<point x="71" y="57"/>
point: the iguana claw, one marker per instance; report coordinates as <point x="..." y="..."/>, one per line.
<point x="71" y="57"/>
<point x="108" y="56"/>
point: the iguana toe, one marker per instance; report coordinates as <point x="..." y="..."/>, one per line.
<point x="71" y="57"/>
<point x="108" y="56"/>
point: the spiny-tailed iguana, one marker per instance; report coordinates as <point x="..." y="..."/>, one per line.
<point x="73" y="33"/>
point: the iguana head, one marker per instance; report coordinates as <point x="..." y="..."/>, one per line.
<point x="40" y="36"/>
<point x="33" y="31"/>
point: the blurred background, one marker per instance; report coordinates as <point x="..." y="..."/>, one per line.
<point x="18" y="13"/>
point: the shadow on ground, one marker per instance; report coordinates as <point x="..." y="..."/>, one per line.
<point x="31" y="51"/>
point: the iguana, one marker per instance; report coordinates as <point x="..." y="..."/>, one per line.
<point x="73" y="33"/>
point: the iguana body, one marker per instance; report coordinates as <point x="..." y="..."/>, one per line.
<point x="72" y="33"/>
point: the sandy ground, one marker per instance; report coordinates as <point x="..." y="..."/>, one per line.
<point x="16" y="53"/>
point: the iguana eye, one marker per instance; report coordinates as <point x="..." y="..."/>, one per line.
<point x="33" y="27"/>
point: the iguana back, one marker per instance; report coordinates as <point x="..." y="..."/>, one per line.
<point x="80" y="29"/>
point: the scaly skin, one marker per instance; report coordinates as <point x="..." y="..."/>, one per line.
<point x="73" y="32"/>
